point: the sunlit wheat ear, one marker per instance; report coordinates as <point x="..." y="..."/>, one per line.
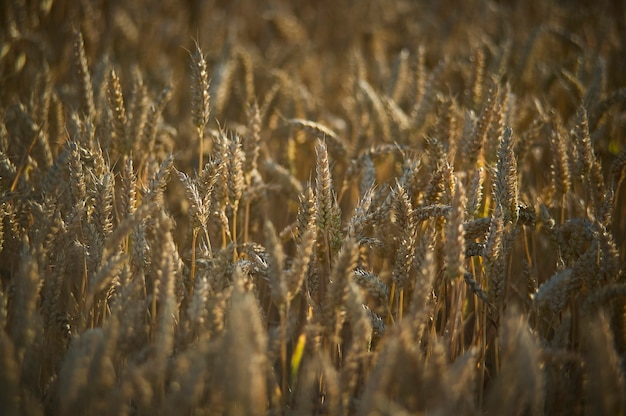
<point x="448" y="126"/>
<point x="128" y="190"/>
<point x="200" y="98"/>
<point x="434" y="189"/>
<point x="116" y="104"/>
<point x="505" y="189"/>
<point x="587" y="167"/>
<point x="103" y="206"/>
<point x="199" y="207"/>
<point x="362" y="218"/>
<point x="157" y="184"/>
<point x="475" y="197"/>
<point x="306" y="217"/>
<point x="328" y="214"/>
<point x="492" y="254"/>
<point x="609" y="255"/>
<point x="455" y="238"/>
<point x="403" y="219"/>
<point x="81" y="69"/>
<point x="235" y="161"/>
<point x="77" y="179"/>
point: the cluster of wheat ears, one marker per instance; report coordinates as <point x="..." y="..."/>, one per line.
<point x="318" y="207"/>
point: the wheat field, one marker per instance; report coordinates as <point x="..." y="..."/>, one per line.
<point x="313" y="207"/>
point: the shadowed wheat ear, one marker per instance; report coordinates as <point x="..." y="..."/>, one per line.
<point x="200" y="98"/>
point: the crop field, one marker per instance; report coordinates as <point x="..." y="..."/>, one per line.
<point x="312" y="207"/>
